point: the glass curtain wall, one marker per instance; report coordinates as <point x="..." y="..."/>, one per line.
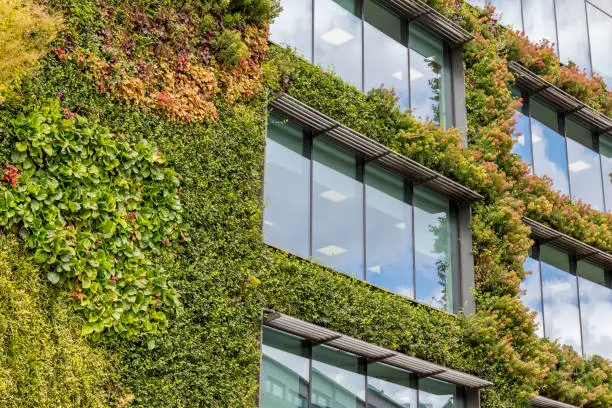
<point x="369" y="47"/>
<point x="580" y="29"/>
<point x="296" y="374"/>
<point x="576" y="160"/>
<point x="572" y="299"/>
<point x="324" y="203"/>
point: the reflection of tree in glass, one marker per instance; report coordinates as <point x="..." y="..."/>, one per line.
<point x="436" y="87"/>
<point x="441" y="247"/>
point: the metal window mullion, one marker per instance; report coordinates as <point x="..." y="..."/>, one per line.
<point x="407" y="25"/>
<point x="556" y="28"/>
<point x="410" y="192"/>
<point x="563" y="130"/>
<point x="361" y="5"/>
<point x="309" y="374"/>
<point x="588" y="28"/>
<point x="537" y="246"/>
<point x="522" y="15"/>
<point x="361" y="176"/>
<point x="574" y="269"/>
<point x="310" y="152"/>
<point x="312" y="38"/>
<point x="527" y="107"/>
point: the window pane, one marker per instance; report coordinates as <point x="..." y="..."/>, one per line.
<point x="532" y="292"/>
<point x="549" y="150"/>
<point x="286" y="188"/>
<point x="284" y="371"/>
<point x="510" y="12"/>
<point x="540" y="20"/>
<point x="390" y="387"/>
<point x="338" y="39"/>
<point x="600" y="29"/>
<point x="426" y="75"/>
<point x="388" y="232"/>
<point x="293" y="26"/>
<point x="337" y="209"/>
<point x="432" y="249"/>
<point x="573" y="35"/>
<point x="522" y="137"/>
<point x="386" y="57"/>
<point x="584" y="166"/>
<point x="560" y="298"/>
<point x="605" y="149"/>
<point x="437" y="394"/>
<point x="605" y="5"/>
<point x="337" y="379"/>
<point x="596" y="309"/>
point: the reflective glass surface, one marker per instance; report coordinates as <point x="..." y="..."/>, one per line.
<point x="337" y="209"/>
<point x="584" y="165"/>
<point x="338" y="379"/>
<point x="532" y="292"/>
<point x="561" y="316"/>
<point x="293" y="26"/>
<point x="596" y="309"/>
<point x="600" y="29"/>
<point x="386" y="55"/>
<point x="426" y="75"/>
<point x="337" y="39"/>
<point x="549" y="150"/>
<point x="388" y="232"/>
<point x="284" y="371"/>
<point x="432" y="248"/>
<point x="437" y="394"/>
<point x="390" y="387"/>
<point x="605" y="5"/>
<point x="573" y="35"/>
<point x="539" y="20"/>
<point x="522" y="137"/>
<point x="286" y="188"/>
<point x="605" y="148"/>
<point x="510" y="12"/>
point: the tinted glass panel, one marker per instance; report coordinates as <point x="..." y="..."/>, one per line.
<point x="573" y="35"/>
<point x="561" y="317"/>
<point x="293" y="26"/>
<point x="584" y="166"/>
<point x="549" y="150"/>
<point x="390" y="387"/>
<point x="388" y="232"/>
<point x="284" y="371"/>
<point x="338" y="39"/>
<point x="596" y="309"/>
<point x="286" y="188"/>
<point x="386" y="57"/>
<point x="532" y="292"/>
<point x="510" y="12"/>
<point x="605" y="5"/>
<point x="605" y="148"/>
<point x="437" y="394"/>
<point x="432" y="248"/>
<point x="522" y="137"/>
<point x="600" y="29"/>
<point x="539" y="19"/>
<point x="426" y="75"/>
<point x="337" y="219"/>
<point x="337" y="379"/>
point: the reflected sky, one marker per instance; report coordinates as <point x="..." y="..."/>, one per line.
<point x="600" y="29"/>
<point x="532" y="296"/>
<point x="605" y="148"/>
<point x="539" y="20"/>
<point x="436" y="394"/>
<point x="549" y="155"/>
<point x="390" y="387"/>
<point x="585" y="174"/>
<point x="573" y="35"/>
<point x="596" y="309"/>
<point x="510" y="12"/>
<point x="522" y="137"/>
<point x="293" y="26"/>
<point x="336" y="379"/>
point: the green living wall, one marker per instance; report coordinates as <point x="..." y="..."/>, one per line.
<point x="193" y="80"/>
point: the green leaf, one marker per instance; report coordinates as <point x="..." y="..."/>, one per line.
<point x="53" y="277"/>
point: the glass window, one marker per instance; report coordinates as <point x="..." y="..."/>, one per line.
<point x="338" y="38"/>
<point x="605" y="148"/>
<point x="549" y="150"/>
<point x="600" y="30"/>
<point x="337" y="212"/>
<point x="286" y="188"/>
<point x="386" y="56"/>
<point x="338" y="379"/>
<point x="284" y="371"/>
<point x="293" y="26"/>
<point x="432" y="248"/>
<point x="539" y="19"/>
<point x="584" y="165"/>
<point x="561" y="317"/>
<point x="426" y="75"/>
<point x="532" y="292"/>
<point x="390" y="387"/>
<point x="510" y="12"/>
<point x="605" y="5"/>
<point x="573" y="35"/>
<point x="596" y="309"/>
<point x="388" y="232"/>
<point x="438" y="394"/>
<point x="522" y="131"/>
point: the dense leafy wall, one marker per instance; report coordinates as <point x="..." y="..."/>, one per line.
<point x="191" y="78"/>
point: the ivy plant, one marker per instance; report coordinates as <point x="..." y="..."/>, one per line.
<point x="93" y="211"/>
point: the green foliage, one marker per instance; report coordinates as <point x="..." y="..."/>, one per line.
<point x="44" y="362"/>
<point x="93" y="210"/>
<point x="230" y="48"/>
